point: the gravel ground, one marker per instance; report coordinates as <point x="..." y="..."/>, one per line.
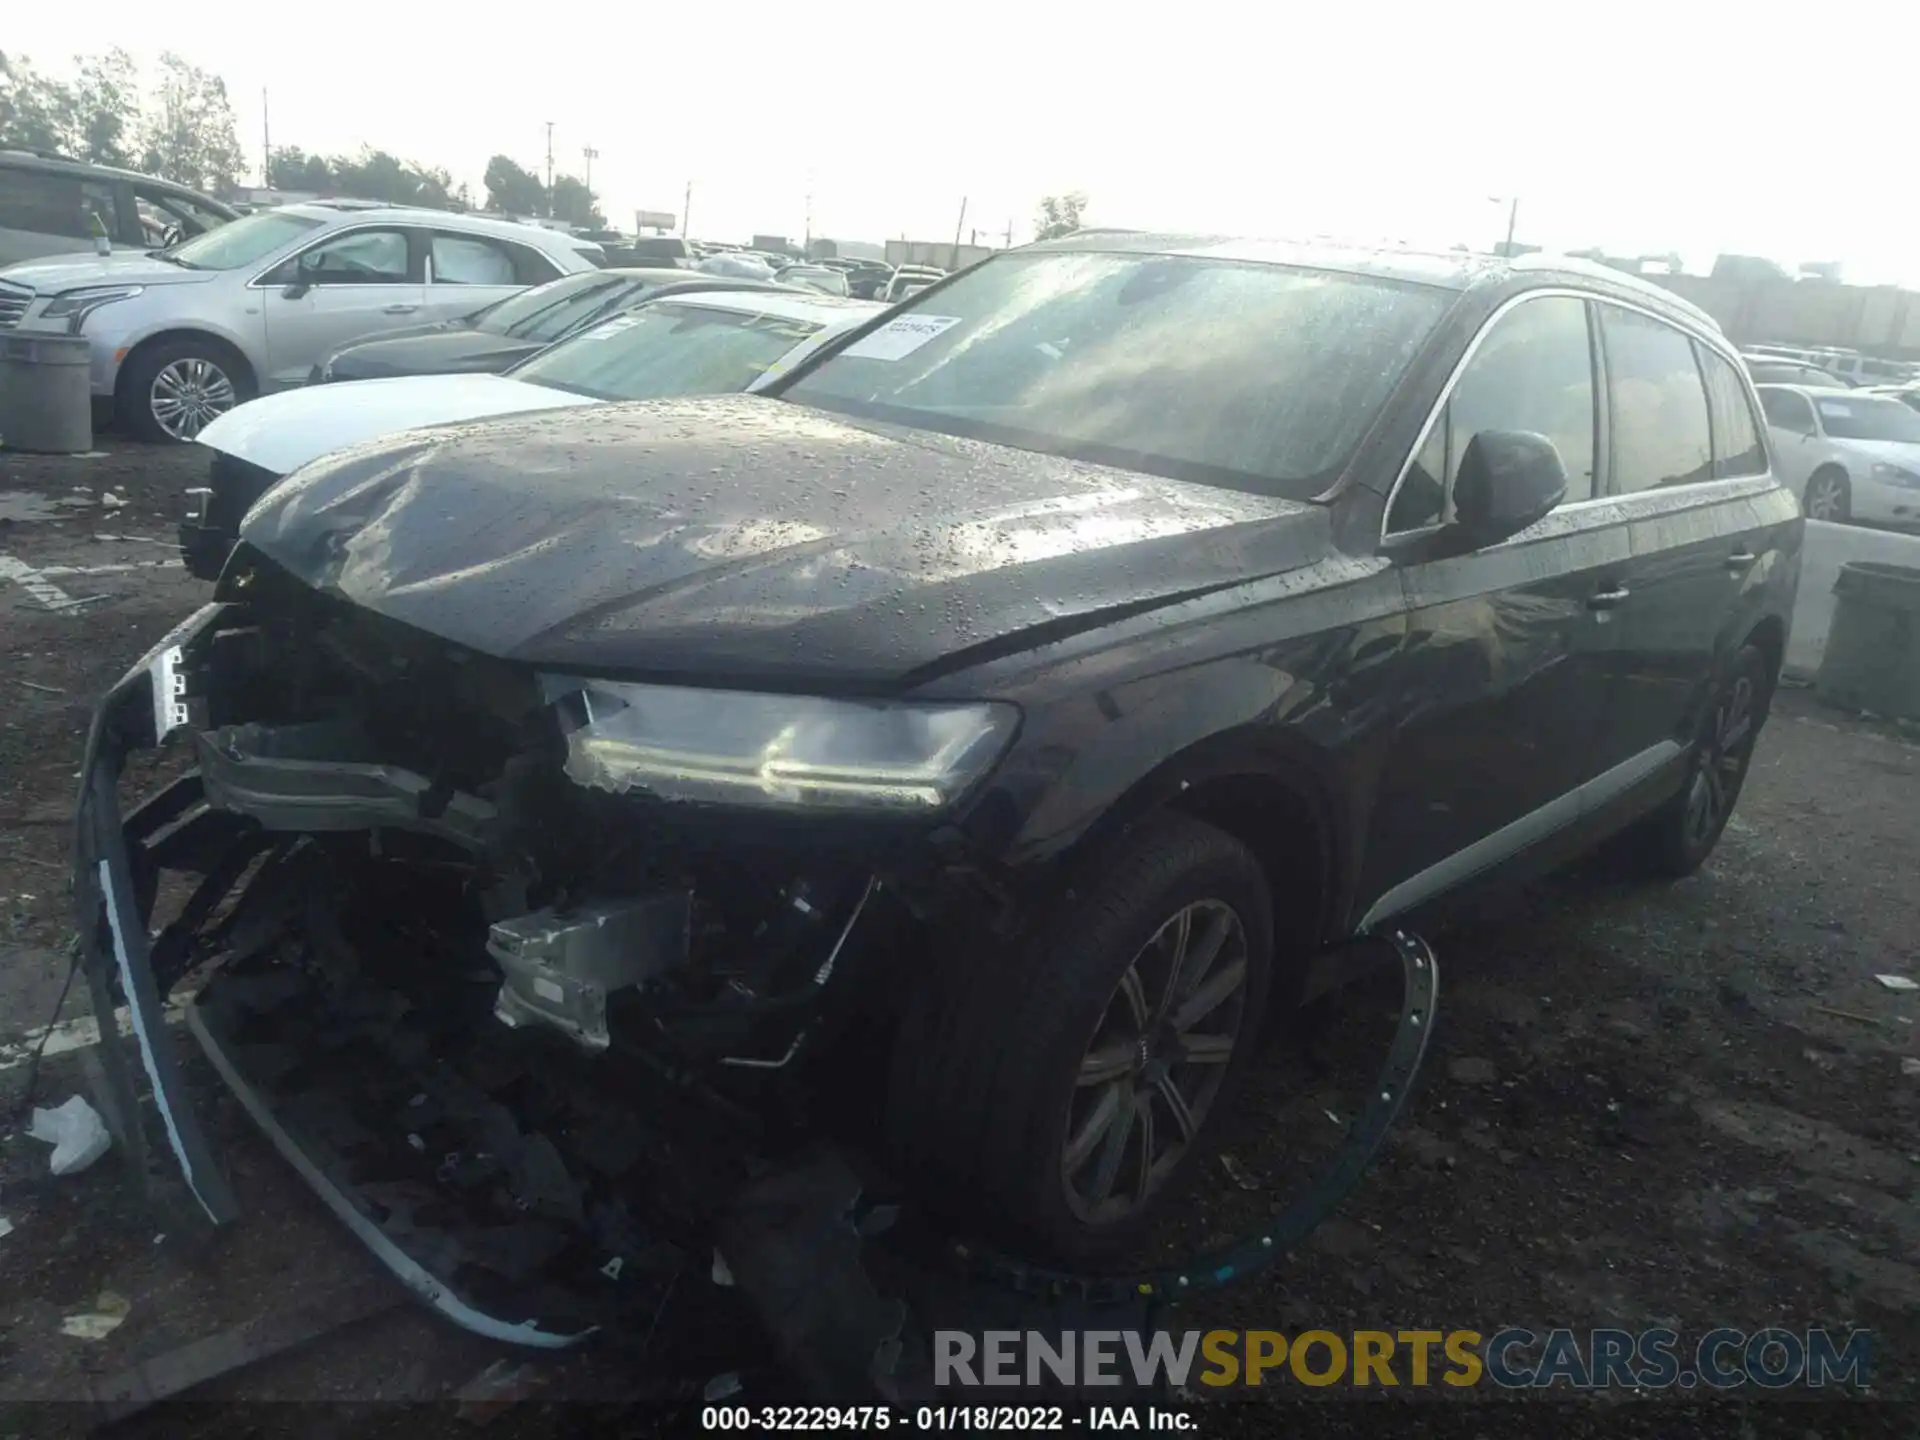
<point x="1678" y="1105"/>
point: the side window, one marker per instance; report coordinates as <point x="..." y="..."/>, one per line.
<point x="162" y="211"/>
<point x="363" y="257"/>
<point x="1532" y="371"/>
<point x="530" y="267"/>
<point x="1659" y="406"/>
<point x="1787" y="410"/>
<point x="1737" y="449"/>
<point x="43" y="204"/>
<point x="471" y="260"/>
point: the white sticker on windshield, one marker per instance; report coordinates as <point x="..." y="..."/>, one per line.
<point x="1837" y="408"/>
<point x="607" y="329"/>
<point x="899" y="338"/>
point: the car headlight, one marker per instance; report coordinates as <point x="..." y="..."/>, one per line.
<point x="783" y="751"/>
<point x="75" y="305"/>
<point x="1896" y="475"/>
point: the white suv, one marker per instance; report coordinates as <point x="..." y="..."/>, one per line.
<point x="183" y="334"/>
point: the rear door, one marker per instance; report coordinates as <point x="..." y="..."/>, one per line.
<point x="1506" y="698"/>
<point x="1693" y="487"/>
<point x="345" y="287"/>
<point x="1795" y="435"/>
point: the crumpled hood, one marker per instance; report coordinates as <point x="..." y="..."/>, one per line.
<point x="282" y="432"/>
<point x="748" y="539"/>
<point x="59" y="273"/>
<point x="435" y="352"/>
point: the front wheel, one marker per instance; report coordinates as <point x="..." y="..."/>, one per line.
<point x="1829" y="496"/>
<point x="1059" y="1093"/>
<point x="173" y="391"/>
<point x="1677" y="838"/>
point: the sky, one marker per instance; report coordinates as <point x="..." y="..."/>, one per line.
<point x="1695" y="127"/>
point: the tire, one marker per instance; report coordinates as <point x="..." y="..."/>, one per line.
<point x="1005" y="1057"/>
<point x="1676" y="839"/>
<point x="1829" y="496"/>
<point x="200" y="378"/>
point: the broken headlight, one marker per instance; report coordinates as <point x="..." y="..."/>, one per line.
<point x="739" y="748"/>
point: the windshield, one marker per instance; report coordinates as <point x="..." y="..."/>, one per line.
<point x="1255" y="377"/>
<point x="549" y="311"/>
<point x="664" y="349"/>
<point x="1862" y="418"/>
<point x="241" y="242"/>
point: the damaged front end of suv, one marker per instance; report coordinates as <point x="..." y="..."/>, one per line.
<point x="468" y="916"/>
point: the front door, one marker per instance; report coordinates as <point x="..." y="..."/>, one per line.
<point x="348" y="286"/>
<point x="1503" y="695"/>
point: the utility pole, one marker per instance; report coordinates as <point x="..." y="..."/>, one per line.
<point x="591" y="155"/>
<point x="686" y="210"/>
<point x="1009" y="234"/>
<point x="549" y="167"/>
<point x="807" y="244"/>
<point x="1513" y="217"/>
<point x="958" y="226"/>
<point x="266" y="144"/>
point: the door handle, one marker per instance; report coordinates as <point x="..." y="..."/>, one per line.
<point x="399" y="309"/>
<point x="1740" y="560"/>
<point x="1607" y="599"/>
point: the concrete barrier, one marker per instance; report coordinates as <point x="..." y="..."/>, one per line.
<point x="1827" y="548"/>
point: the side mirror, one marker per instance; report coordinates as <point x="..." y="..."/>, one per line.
<point x="1507" y="480"/>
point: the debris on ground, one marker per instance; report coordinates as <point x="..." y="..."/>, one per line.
<point x="1908" y="1066"/>
<point x="44" y="689"/>
<point x="111" y="500"/>
<point x="6" y="1227"/>
<point x="1898" y="982"/>
<point x="1848" y="1014"/>
<point x="109" y="1312"/>
<point x="76" y="1132"/>
<point x="495" y="1388"/>
<point x="1237" y="1173"/>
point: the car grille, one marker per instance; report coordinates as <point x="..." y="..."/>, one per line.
<point x="14" y="300"/>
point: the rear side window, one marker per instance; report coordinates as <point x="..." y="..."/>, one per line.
<point x="1787" y="410"/>
<point x="43" y="204"/>
<point x="1533" y="371"/>
<point x="1659" y="405"/>
<point x="1737" y="449"/>
<point x="470" y="260"/>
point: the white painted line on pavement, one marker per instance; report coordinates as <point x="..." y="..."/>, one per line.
<point x="45" y="591"/>
<point x="110" y="569"/>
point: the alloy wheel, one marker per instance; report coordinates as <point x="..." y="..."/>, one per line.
<point x="189" y="394"/>
<point x="1824" y="497"/>
<point x="1158" y="1058"/>
<point x="1720" y="763"/>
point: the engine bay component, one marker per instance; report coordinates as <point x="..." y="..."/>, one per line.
<point x="561" y="967"/>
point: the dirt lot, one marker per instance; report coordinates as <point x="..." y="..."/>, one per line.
<point x="1676" y="1106"/>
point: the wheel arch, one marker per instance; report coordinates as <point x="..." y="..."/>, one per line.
<point x="1277" y="795"/>
<point x="146" y="346"/>
<point x="1770" y="634"/>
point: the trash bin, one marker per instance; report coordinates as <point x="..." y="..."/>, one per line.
<point x="46" y="394"/>
<point x="1872" y="661"/>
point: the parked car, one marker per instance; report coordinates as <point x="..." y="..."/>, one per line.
<point x="186" y="333"/>
<point x="966" y="741"/>
<point x="822" y="278"/>
<point x="654" y="250"/>
<point x="1850" y="455"/>
<point x="739" y="263"/>
<point x="868" y="280"/>
<point x="910" y="280"/>
<point x="703" y="339"/>
<point x="1908" y="395"/>
<point x="48" y="204"/>
<point x="505" y="332"/>
<point x="1766" y="371"/>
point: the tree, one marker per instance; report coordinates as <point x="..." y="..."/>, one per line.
<point x="1059" y="215"/>
<point x="35" y="112"/>
<point x="514" y="190"/>
<point x="105" y="114"/>
<point x="189" y="136"/>
<point x="376" y="175"/>
<point x="294" y="169"/>
<point x="574" y="203"/>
